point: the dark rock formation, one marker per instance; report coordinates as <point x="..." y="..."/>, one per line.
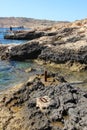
<point x="65" y="44"/>
<point x="3" y="49"/>
<point x="25" y="35"/>
<point x="28" y="35"/>
<point x="55" y="44"/>
<point x="66" y="112"/>
<point x="23" y="51"/>
<point x="63" y="55"/>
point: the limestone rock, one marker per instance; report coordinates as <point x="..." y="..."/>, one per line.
<point x="65" y="105"/>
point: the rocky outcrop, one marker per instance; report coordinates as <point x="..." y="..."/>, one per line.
<point x="22" y="52"/>
<point x="28" y="35"/>
<point x="25" y="35"/>
<point x="25" y="51"/>
<point x="3" y="48"/>
<point x="65" y="53"/>
<point x="68" y="45"/>
<point x="38" y="105"/>
<point x="55" y="44"/>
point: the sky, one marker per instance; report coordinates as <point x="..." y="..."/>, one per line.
<point x="58" y="10"/>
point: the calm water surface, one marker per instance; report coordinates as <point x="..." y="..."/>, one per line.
<point x="72" y="77"/>
<point x="13" y="72"/>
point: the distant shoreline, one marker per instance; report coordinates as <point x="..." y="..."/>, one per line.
<point x="26" y="22"/>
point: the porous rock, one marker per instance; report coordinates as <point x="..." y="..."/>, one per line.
<point x="20" y="111"/>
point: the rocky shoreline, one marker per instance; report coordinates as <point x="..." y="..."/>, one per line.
<point x="55" y="104"/>
<point x="67" y="44"/>
<point x="39" y="105"/>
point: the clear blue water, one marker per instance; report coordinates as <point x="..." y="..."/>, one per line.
<point x="4" y="31"/>
<point x="12" y="72"/>
<point x="9" y="74"/>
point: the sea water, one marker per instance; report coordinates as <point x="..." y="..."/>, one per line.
<point x="12" y="72"/>
<point x="4" y="31"/>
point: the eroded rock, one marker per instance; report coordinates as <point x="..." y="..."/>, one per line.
<point x="65" y="107"/>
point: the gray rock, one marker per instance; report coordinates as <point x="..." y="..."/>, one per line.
<point x="20" y="109"/>
<point x="24" y="35"/>
<point x="25" y="51"/>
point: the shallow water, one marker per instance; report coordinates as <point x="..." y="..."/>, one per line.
<point x="71" y="77"/>
<point x="12" y="73"/>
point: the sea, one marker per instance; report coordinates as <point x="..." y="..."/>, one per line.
<point x="14" y="72"/>
<point x="4" y="31"/>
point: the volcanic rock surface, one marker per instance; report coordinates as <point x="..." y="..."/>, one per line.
<point x="67" y="109"/>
